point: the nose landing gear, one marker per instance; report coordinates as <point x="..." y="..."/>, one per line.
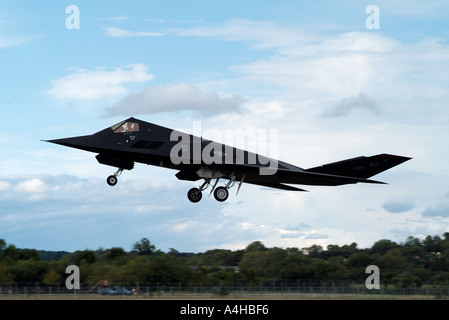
<point x="112" y="180"/>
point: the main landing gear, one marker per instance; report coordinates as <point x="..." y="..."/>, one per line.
<point x="196" y="194"/>
<point x="112" y="180"/>
<point x="220" y="193"/>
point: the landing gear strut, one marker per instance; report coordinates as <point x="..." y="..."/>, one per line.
<point x="112" y="180"/>
<point x="194" y="195"/>
<point x="220" y="193"/>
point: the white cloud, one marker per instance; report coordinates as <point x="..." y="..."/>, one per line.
<point x="175" y="97"/>
<point x="292" y="235"/>
<point x="4" y="186"/>
<point x="6" y="41"/>
<point x="116" y="18"/>
<point x="31" y="186"/>
<point x="262" y="34"/>
<point x="122" y="33"/>
<point x="347" y="105"/>
<point x="442" y="210"/>
<point x="417" y="9"/>
<point x="398" y="207"/>
<point x="308" y="66"/>
<point x="84" y="84"/>
<point x="317" y="236"/>
<point x="9" y="36"/>
<point x="291" y="41"/>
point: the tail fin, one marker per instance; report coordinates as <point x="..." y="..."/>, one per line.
<point x="361" y="167"/>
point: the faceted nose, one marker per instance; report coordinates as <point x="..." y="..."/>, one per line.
<point x="81" y="142"/>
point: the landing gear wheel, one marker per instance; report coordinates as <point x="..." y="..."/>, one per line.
<point x="112" y="180"/>
<point x="221" y="194"/>
<point x="194" y="195"/>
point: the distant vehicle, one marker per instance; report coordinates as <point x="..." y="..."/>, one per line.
<point x="106" y="291"/>
<point x="122" y="291"/>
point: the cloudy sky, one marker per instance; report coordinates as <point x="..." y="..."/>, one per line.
<point x="333" y="79"/>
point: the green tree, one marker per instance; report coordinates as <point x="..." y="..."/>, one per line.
<point x="344" y="251"/>
<point x="383" y="246"/>
<point x="296" y="265"/>
<point x="167" y="269"/>
<point x="275" y="262"/>
<point x="11" y="252"/>
<point x="144" y="247"/>
<point x="255" y="246"/>
<point x="357" y="264"/>
<point x="199" y="273"/>
<point x="221" y="257"/>
<point x="25" y="254"/>
<point x="99" y="272"/>
<point x="2" y="247"/>
<point x="220" y="277"/>
<point x="52" y="277"/>
<point x="392" y="263"/>
<point x="137" y="269"/>
<point x="432" y="244"/>
<point x="321" y="269"/>
<point x="115" y="253"/>
<point x="86" y="255"/>
<point x="314" y="250"/>
<point x="250" y="275"/>
<point x="412" y="242"/>
<point x="6" y="276"/>
<point x="253" y="265"/>
<point x="29" y="270"/>
<point x="338" y="269"/>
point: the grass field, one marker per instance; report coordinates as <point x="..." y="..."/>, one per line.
<point x="353" y="292"/>
<point x="231" y="296"/>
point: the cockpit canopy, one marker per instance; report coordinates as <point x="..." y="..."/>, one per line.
<point x="125" y="126"/>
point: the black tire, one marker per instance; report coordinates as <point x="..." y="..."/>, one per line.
<point x="221" y="194"/>
<point x="112" y="180"/>
<point x="194" y="195"/>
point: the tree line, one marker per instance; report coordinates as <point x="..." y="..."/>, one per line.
<point x="410" y="263"/>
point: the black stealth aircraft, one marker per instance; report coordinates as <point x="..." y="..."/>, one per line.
<point x="195" y="158"/>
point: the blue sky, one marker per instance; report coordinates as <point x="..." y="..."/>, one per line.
<point x="330" y="87"/>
